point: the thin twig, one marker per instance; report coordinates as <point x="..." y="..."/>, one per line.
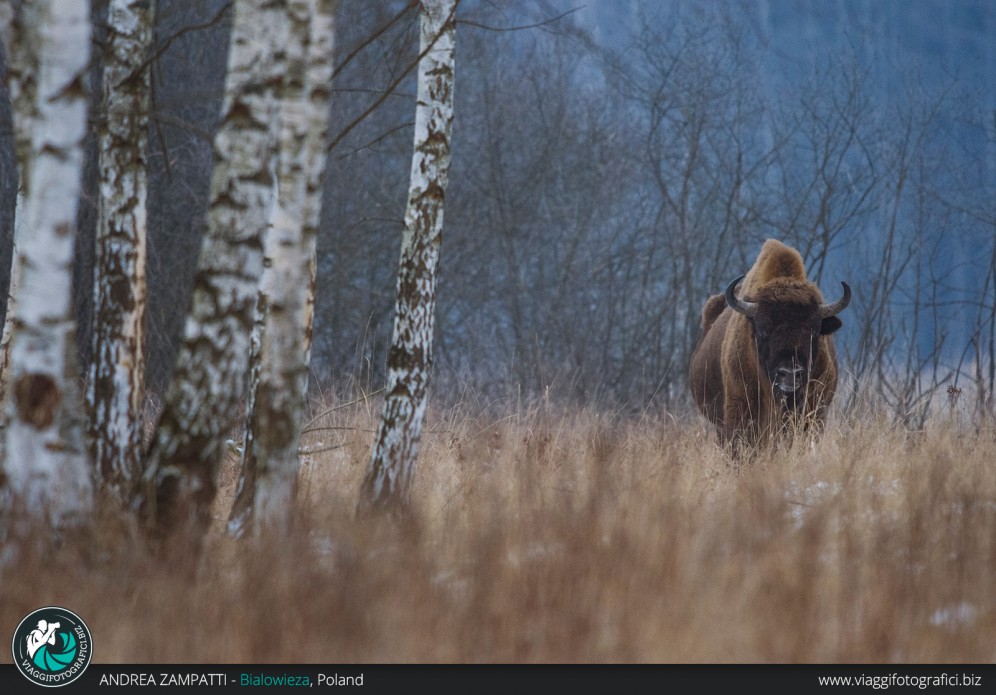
<point x="377" y="140"/>
<point x="180" y="123"/>
<point x="331" y="428"/>
<point x="162" y="48"/>
<point x="521" y="27"/>
<point x="373" y="37"/>
<point x="331" y="410"/>
<point x="391" y="87"/>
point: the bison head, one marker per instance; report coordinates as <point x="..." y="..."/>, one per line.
<point x="787" y="319"/>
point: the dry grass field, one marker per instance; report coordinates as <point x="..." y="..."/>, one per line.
<point x="570" y="536"/>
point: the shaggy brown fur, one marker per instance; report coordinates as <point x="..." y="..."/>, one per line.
<point x="732" y="369"/>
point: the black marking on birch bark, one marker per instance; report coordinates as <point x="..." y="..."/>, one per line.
<point x="119" y="293"/>
<point x="74" y="89"/>
<point x="408" y="359"/>
<point x="241" y="113"/>
<point x="37" y="398"/>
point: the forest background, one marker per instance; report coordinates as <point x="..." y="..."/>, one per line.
<point x="613" y="166"/>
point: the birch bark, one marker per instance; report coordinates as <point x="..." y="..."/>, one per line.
<point x="179" y="481"/>
<point x="19" y="32"/>
<point x="115" y="388"/>
<point x="409" y="361"/>
<point x="281" y="343"/>
<point x="44" y="457"/>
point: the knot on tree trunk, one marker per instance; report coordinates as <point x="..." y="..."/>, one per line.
<point x="37" y="397"/>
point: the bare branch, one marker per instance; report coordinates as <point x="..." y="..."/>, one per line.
<point x="521" y="27"/>
<point x="387" y="92"/>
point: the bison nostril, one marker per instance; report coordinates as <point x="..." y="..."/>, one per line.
<point x="794" y="373"/>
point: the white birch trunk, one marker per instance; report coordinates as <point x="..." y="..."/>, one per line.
<point x="45" y="462"/>
<point x="409" y="360"/>
<point x="279" y="372"/>
<point x="19" y="33"/>
<point x="115" y="388"/>
<point x="179" y="480"/>
<point x="20" y="28"/>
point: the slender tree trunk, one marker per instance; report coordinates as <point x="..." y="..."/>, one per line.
<point x="44" y="456"/>
<point x="115" y="388"/>
<point x="201" y="407"/>
<point x="280" y="346"/>
<point x="409" y="360"/>
<point x="19" y="31"/>
<point x="320" y="68"/>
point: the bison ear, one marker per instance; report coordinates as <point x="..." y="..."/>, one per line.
<point x="830" y="325"/>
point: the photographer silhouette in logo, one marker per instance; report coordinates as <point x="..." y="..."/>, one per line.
<point x="43" y="634"/>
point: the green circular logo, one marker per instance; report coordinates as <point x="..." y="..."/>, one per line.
<point x="52" y="646"/>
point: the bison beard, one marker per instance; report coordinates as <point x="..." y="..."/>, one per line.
<point x="766" y="362"/>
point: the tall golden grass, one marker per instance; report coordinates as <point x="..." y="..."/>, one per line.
<point x="548" y="535"/>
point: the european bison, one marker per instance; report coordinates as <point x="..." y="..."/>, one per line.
<point x="766" y="358"/>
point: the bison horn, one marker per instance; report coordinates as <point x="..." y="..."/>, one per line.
<point x="828" y="310"/>
<point x="748" y="309"/>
